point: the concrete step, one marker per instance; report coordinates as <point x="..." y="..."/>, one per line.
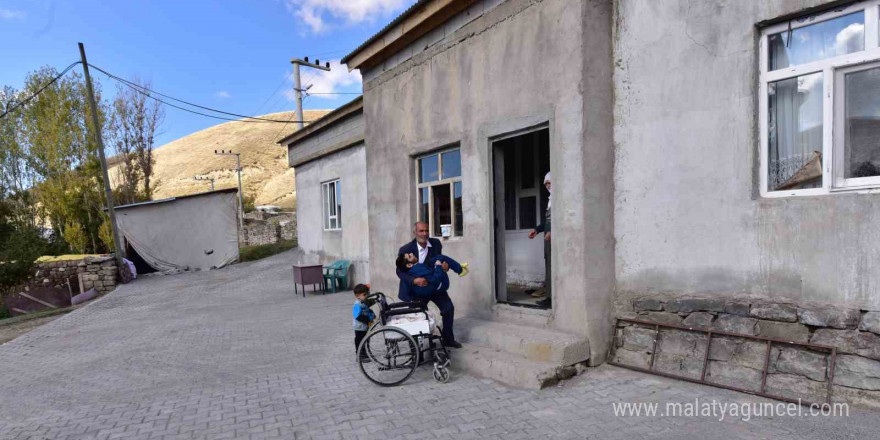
<point x="530" y="343"/>
<point x="521" y="315"/>
<point x="507" y="368"/>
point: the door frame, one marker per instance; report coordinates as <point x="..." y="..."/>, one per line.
<point x="498" y="264"/>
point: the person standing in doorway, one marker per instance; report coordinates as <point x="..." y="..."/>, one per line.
<point x="427" y="248"/>
<point x="545" y="228"/>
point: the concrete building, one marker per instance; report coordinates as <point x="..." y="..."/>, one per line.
<point x="696" y="178"/>
<point x="490" y="91"/>
<point x="329" y="158"/>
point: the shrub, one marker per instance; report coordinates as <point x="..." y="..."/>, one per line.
<point x="17" y="256"/>
<point x="249" y="204"/>
<point x="257" y="252"/>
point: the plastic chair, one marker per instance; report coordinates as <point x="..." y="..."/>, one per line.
<point x="337" y="272"/>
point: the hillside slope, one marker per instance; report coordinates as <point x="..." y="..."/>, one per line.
<point x="265" y="173"/>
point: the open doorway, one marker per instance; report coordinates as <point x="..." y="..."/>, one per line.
<point x="519" y="165"/>
<point x="140" y="265"/>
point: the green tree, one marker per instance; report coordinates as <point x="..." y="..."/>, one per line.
<point x="20" y="246"/>
<point x="134" y="123"/>
<point x="16" y="176"/>
<point x="75" y="237"/>
<point x="59" y="149"/>
<point x="106" y="233"/>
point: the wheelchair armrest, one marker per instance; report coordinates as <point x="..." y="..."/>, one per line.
<point x="408" y="304"/>
<point x="403" y="311"/>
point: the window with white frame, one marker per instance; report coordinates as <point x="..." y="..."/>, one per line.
<point x="332" y="200"/>
<point x="438" y="184"/>
<point x="820" y="102"/>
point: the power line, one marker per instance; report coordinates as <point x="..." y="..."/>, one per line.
<point x="22" y="103"/>
<point x="195" y="112"/>
<point x="283" y="81"/>
<point x="335" y="93"/>
<point x="149" y="93"/>
<point x="282" y="127"/>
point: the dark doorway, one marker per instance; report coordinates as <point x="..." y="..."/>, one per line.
<point x="520" y="163"/>
<point x="139" y="263"/>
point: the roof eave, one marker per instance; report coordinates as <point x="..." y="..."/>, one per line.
<point x="413" y="23"/>
<point x="324" y="122"/>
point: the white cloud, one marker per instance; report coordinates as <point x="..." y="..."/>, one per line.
<point x="222" y="94"/>
<point x="338" y="79"/>
<point x="8" y="14"/>
<point x="850" y="39"/>
<point x="315" y="13"/>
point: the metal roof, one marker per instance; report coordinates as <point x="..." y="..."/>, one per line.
<point x="324" y="122"/>
<point x="171" y="199"/>
<point x="403" y="16"/>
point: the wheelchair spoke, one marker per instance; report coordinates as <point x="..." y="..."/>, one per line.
<point x="393" y="356"/>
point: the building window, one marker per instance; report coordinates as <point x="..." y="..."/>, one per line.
<point x="820" y="102"/>
<point x="438" y="184"/>
<point x="332" y="199"/>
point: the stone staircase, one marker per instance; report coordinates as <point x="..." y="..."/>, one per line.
<point x="515" y="354"/>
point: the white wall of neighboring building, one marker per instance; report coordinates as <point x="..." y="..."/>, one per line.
<point x="351" y="243"/>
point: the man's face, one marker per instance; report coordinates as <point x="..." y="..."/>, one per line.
<point x="361" y="296"/>
<point x="421" y="233"/>
<point x="547" y="185"/>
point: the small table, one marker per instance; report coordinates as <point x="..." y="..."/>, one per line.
<point x="306" y="275"/>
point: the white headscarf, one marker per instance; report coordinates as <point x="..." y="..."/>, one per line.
<point x="550" y="190"/>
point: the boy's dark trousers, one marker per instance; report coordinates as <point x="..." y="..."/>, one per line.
<point x="358" y="337"/>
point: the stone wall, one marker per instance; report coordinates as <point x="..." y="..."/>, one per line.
<point x="795" y="371"/>
<point x="97" y="272"/>
<point x="266" y="228"/>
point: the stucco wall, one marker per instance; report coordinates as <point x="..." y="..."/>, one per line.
<point x="517" y="66"/>
<point x="341" y="134"/>
<point x="351" y="242"/>
<point x="524" y="257"/>
<point x="687" y="215"/>
<point x="435" y="36"/>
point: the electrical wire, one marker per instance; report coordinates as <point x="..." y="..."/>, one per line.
<point x="282" y="127"/>
<point x="294" y="115"/>
<point x="22" y="103"/>
<point x="283" y="81"/>
<point x="309" y="76"/>
<point x="335" y="93"/>
<point x="149" y="93"/>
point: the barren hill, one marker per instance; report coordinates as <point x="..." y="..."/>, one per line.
<point x="265" y="173"/>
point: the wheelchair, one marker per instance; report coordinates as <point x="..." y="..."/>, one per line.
<point x="404" y="337"/>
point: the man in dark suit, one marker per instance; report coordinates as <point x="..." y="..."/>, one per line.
<point x="424" y="248"/>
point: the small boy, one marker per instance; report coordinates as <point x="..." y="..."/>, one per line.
<point x="431" y="270"/>
<point x="363" y="316"/>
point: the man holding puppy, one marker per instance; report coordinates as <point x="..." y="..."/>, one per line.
<point x="425" y="248"/>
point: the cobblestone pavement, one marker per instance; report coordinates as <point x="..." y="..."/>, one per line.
<point x="234" y="354"/>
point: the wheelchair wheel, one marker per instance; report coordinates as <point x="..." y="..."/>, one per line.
<point x="441" y="374"/>
<point x="388" y="356"/>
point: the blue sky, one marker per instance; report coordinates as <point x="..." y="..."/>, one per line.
<point x="231" y="55"/>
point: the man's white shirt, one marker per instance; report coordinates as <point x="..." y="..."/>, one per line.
<point x="423" y="252"/>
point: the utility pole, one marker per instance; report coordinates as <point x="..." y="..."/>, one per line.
<point x="298" y="87"/>
<point x="240" y="198"/>
<point x="211" y="179"/>
<point x="93" y="109"/>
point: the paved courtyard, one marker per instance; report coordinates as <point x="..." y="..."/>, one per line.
<point x="234" y="354"/>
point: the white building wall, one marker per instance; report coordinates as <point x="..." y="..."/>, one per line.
<point x="688" y="216"/>
<point x="351" y="243"/>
